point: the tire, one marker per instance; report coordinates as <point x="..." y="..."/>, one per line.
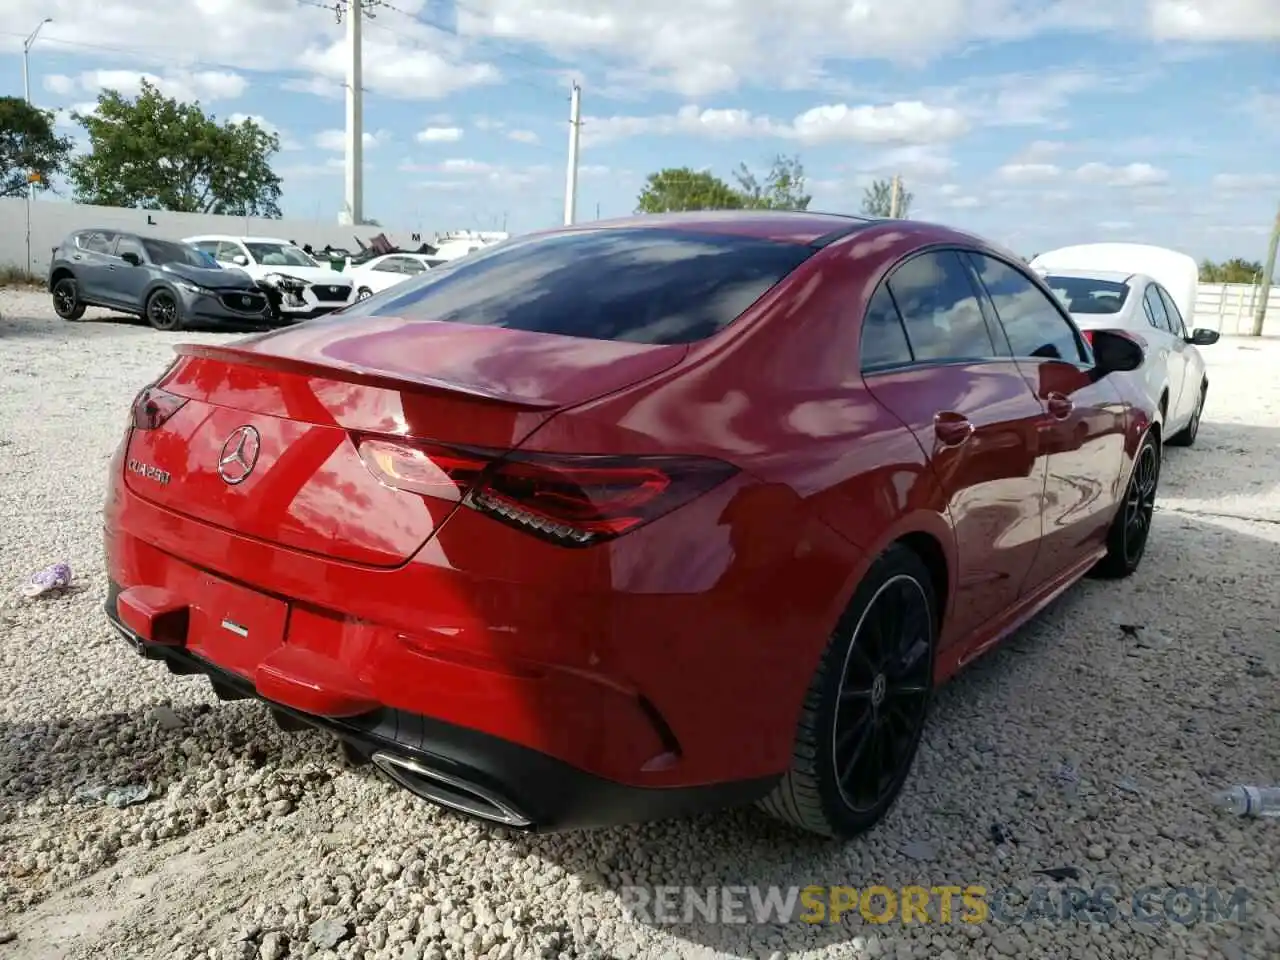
<point x="849" y="693"/>
<point x="66" y="299"/>
<point x="1186" y="437"/>
<point x="1131" y="528"/>
<point x="364" y="293"/>
<point x="162" y="311"/>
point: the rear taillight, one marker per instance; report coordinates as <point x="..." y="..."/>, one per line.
<point x="571" y="499"/>
<point x="1088" y="336"/>
<point x="153" y="406"/>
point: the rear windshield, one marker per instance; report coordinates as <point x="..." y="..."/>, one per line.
<point x="640" y="285"/>
<point x="1083" y="295"/>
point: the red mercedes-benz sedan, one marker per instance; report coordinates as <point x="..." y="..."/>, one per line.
<point x="635" y="518"/>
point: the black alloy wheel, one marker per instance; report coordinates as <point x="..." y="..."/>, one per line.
<point x="884" y="692"/>
<point x="162" y="311"/>
<point x="867" y="704"/>
<point x="1131" y="528"/>
<point x="1140" y="504"/>
<point x="66" y="299"/>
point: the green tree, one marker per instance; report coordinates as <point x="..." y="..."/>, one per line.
<point x="28" y="144"/>
<point x="681" y="188"/>
<point x="783" y="188"/>
<point x="155" y="153"/>
<point x="1235" y="270"/>
<point x="877" y="200"/>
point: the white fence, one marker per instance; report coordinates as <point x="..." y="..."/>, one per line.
<point x="52" y="220"/>
<point x="1229" y="308"/>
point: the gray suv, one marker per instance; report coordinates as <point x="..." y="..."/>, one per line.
<point x="167" y="283"/>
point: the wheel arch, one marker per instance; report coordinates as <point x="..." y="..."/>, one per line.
<point x="59" y="274"/>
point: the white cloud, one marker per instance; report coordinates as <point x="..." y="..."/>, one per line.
<point x="966" y="202"/>
<point x="287" y="141"/>
<point x="523" y="136"/>
<point x="464" y="174"/>
<point x="907" y="122"/>
<point x="398" y="69"/>
<point x="186" y="86"/>
<point x="1215" y="20"/>
<point x="1029" y="172"/>
<point x="61" y="84"/>
<point x="439" y="135"/>
<point x="336" y="140"/>
<point x="1130" y="175"/>
<point x="904" y="122"/>
<point x="1245" y="183"/>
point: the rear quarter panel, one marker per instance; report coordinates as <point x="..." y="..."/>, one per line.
<point x="834" y="478"/>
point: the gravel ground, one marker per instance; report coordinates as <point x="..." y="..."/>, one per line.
<point x="1093" y="746"/>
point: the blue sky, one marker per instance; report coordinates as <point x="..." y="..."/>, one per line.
<point x="1036" y="122"/>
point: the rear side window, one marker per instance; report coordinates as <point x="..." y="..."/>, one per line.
<point x="940" y="309"/>
<point x="1155" y="310"/>
<point x="1034" y="325"/>
<point x="639" y="285"/>
<point x="1176" y="325"/>
<point x="884" y="341"/>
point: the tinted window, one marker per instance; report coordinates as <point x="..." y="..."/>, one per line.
<point x="639" y="285"/>
<point x="129" y="245"/>
<point x="409" y="265"/>
<point x="1156" y="313"/>
<point x="227" y="251"/>
<point x="1034" y="325"/>
<point x="1085" y="296"/>
<point x="940" y="308"/>
<point x="98" y="241"/>
<point x="278" y="254"/>
<point x="166" y="251"/>
<point x="390" y="265"/>
<point x="1176" y="325"/>
<point x="884" y="341"/>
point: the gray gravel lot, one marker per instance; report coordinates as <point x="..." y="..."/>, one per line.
<point x="1095" y="747"/>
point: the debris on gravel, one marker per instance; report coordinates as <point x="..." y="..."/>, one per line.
<point x="1096" y="749"/>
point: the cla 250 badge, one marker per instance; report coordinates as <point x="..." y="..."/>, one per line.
<point x="148" y="471"/>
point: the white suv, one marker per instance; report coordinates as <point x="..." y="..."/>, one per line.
<point x="299" y="287"/>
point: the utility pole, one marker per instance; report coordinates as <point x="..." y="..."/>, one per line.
<point x="894" y="194"/>
<point x="355" y="10"/>
<point x="26" y="87"/>
<point x="1264" y="292"/>
<point x="571" y="175"/>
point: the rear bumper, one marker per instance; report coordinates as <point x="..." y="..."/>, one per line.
<point x="467" y="770"/>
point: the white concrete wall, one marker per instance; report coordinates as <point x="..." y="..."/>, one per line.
<point x="52" y="220"/>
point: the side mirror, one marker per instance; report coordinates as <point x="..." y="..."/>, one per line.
<point x="1203" y="337"/>
<point x="134" y="260"/>
<point x="1115" y="352"/>
<point x="240" y="260"/>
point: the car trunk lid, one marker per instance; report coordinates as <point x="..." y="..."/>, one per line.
<point x="263" y="440"/>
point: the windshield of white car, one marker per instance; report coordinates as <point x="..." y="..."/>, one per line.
<point x="279" y="255"/>
<point x="1086" y="295"/>
<point x="165" y="251"/>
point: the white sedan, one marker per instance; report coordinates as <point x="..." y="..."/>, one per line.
<point x="387" y="270"/>
<point x="1149" y="291"/>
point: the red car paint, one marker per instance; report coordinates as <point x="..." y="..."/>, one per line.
<point x="675" y="652"/>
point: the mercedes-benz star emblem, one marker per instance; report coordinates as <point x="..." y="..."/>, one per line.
<point x="239" y="455"/>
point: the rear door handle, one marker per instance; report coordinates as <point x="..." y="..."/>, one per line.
<point x="1060" y="406"/>
<point x="952" y="429"/>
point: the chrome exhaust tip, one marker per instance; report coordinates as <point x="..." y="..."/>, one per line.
<point x="448" y="790"/>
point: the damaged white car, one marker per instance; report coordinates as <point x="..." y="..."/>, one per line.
<point x="299" y="288"/>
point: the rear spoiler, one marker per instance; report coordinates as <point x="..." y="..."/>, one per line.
<point x="368" y="377"/>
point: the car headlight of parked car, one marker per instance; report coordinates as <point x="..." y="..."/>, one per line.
<point x="186" y="286"/>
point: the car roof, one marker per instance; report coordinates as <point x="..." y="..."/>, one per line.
<point x="230" y="236"/>
<point x="1113" y="276"/>
<point x="792" y="226"/>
